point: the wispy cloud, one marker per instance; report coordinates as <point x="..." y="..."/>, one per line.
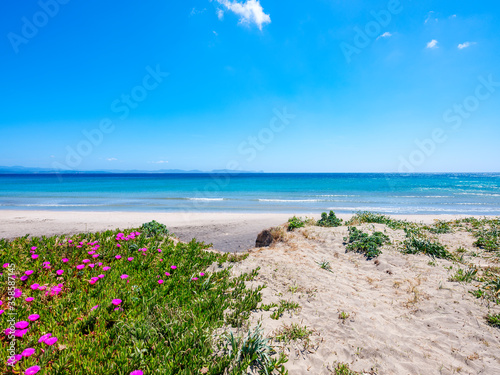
<point x="429" y="17"/>
<point x="111" y="159"/>
<point x="159" y="162"/>
<point x="387" y="34"/>
<point x="195" y="11"/>
<point x="465" y="45"/>
<point x="249" y="11"/>
<point x="432" y="44"/>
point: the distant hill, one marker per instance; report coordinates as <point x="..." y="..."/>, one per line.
<point x="28" y="170"/>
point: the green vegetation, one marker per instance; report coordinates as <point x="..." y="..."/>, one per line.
<point x="325" y="265"/>
<point x="369" y="245"/>
<point x="329" y="220"/>
<point x="293" y="332"/>
<point x="284" y="306"/>
<point x="370" y="217"/>
<point x="464" y="275"/>
<point x="343" y="369"/>
<point x="120" y="302"/>
<point x="418" y="242"/>
<point x="439" y="227"/>
<point x="294" y="223"/>
<point x="343" y="316"/>
<point x="493" y="320"/>
<point x="153" y="229"/>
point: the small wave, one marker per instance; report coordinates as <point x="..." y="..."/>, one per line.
<point x="480" y="194"/>
<point x="290" y="200"/>
<point x="337" y="195"/>
<point x="206" y="199"/>
<point x="53" y="205"/>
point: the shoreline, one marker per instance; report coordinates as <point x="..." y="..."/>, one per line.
<point x="228" y="232"/>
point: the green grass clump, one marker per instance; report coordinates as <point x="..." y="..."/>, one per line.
<point x="417" y="242"/>
<point x="154" y="309"/>
<point x="493" y="320"/>
<point x="488" y="239"/>
<point x="343" y="369"/>
<point x="325" y="265"/>
<point x="440" y="227"/>
<point x="369" y="245"/>
<point x="153" y="228"/>
<point x="293" y="332"/>
<point x="329" y="220"/>
<point x="370" y="217"/>
<point x="295" y="222"/>
<point x="284" y="306"/>
<point x="464" y="275"/>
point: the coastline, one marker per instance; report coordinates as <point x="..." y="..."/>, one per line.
<point x="228" y="232"/>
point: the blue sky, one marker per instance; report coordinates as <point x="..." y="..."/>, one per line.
<point x="316" y="86"/>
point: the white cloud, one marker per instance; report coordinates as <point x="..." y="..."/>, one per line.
<point x="195" y="11"/>
<point x="249" y="12"/>
<point x="111" y="159"/>
<point x="220" y="14"/>
<point x="429" y="16"/>
<point x="465" y="45"/>
<point x="432" y="44"/>
<point x="387" y="34"/>
<point x="159" y="162"/>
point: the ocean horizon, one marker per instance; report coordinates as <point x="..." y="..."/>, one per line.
<point x="388" y="193"/>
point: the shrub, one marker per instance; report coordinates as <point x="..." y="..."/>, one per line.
<point x="417" y="243"/>
<point x="370" y="217"/>
<point x="363" y="243"/>
<point x="153" y="229"/>
<point x="294" y="223"/>
<point x="329" y="220"/>
<point x="493" y="320"/>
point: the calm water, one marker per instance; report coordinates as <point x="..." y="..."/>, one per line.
<point x="477" y="194"/>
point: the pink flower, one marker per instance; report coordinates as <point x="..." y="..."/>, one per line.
<point x="93" y="280"/>
<point x="69" y="241"/>
<point x="159" y="250"/>
<point x="116" y="302"/>
<point x="99" y="264"/>
<point x="173" y="267"/>
<point x="161" y="260"/>
<point x="85" y="261"/>
<point x="20" y="333"/>
<point x="123" y="276"/>
<point x="106" y="268"/>
<point x="100" y="276"/>
<point x="65" y="260"/>
<point x="33" y="248"/>
<point x="2" y="311"/>
<point x="35" y="286"/>
<point x="117" y="308"/>
<point x="202" y="274"/>
<point x="51" y="340"/>
<point x="130" y="259"/>
<point x="29" y="272"/>
<point x="60" y="272"/>
<point x="95" y="307"/>
<point x="5" y="265"/>
<point x="91" y="265"/>
<point x="28" y="352"/>
<point x="42" y="287"/>
<point x="32" y="370"/>
<point x="24" y="278"/>
<point x="44" y="337"/>
<point x="118" y="257"/>
<point x="78" y="246"/>
<point x="91" y="252"/>
<point x="34" y="256"/>
<point x="160" y="281"/>
<point x="80" y="267"/>
<point x="167" y="274"/>
<point x="95" y="255"/>
<point x="118" y="245"/>
<point x="14" y="359"/>
<point x="22" y="324"/>
<point x="17" y="293"/>
<point x="136" y="372"/>
<point x="33" y="317"/>
<point x="194" y="278"/>
<point x="8" y="332"/>
<point x="29" y="299"/>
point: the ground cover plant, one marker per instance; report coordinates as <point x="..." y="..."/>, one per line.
<point x="330" y="220"/>
<point x="363" y="217"/>
<point x="368" y="245"/>
<point x="294" y="223"/>
<point x="417" y="242"/>
<point x="118" y="303"/>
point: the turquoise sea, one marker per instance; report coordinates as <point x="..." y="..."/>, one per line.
<point x="474" y="194"/>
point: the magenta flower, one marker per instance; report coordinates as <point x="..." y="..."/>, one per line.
<point x="85" y="261"/>
<point x="29" y="272"/>
<point x="130" y="259"/>
<point x="91" y="265"/>
<point x="34" y="256"/>
<point x="2" y="311"/>
<point x="33" y="317"/>
<point x="42" y="287"/>
<point x="44" y="337"/>
<point x="65" y="260"/>
<point x="123" y="276"/>
<point x="173" y="267"/>
<point x="5" y="265"/>
<point x="14" y="359"/>
<point x="118" y="257"/>
<point x="136" y="372"/>
<point x="17" y="293"/>
<point x="60" y="272"/>
<point x="24" y="278"/>
<point x="33" y="248"/>
<point x="78" y="246"/>
<point x="99" y="264"/>
<point x="106" y="268"/>
<point x="70" y="241"/>
<point x="20" y="332"/>
<point x="91" y="252"/>
<point x="100" y="276"/>
<point x="160" y="281"/>
<point x="28" y="352"/>
<point x="51" y="340"/>
<point x="118" y="245"/>
<point x="95" y="307"/>
<point x="167" y="274"/>
<point x="95" y="255"/>
<point x="93" y="280"/>
<point x="8" y="332"/>
<point x="116" y="302"/>
<point x="29" y="299"/>
<point x="194" y="278"/>
<point x="35" y="286"/>
<point x="80" y="267"/>
<point x="159" y="250"/>
<point x="202" y="274"/>
<point x="32" y="370"/>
